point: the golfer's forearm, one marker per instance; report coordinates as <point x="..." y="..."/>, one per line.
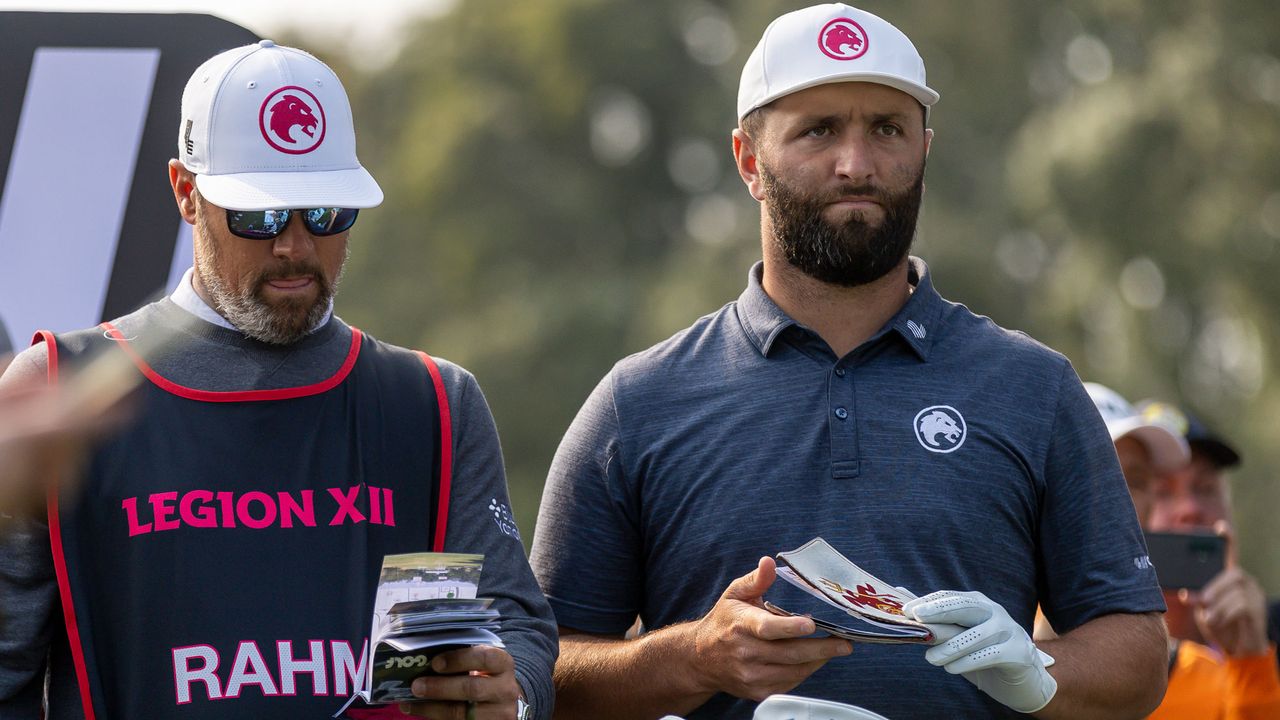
<point x="640" y="679"/>
<point x="1114" y="666"/>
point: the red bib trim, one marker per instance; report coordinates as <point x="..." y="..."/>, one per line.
<point x="446" y="451"/>
<point x="60" y="560"/>
<point x="238" y="395"/>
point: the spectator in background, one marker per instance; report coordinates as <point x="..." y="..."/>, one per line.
<point x="1220" y="663"/>
<point x="1146" y="448"/>
<point x="1227" y="620"/>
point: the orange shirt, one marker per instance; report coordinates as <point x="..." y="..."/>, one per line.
<point x="1206" y="685"/>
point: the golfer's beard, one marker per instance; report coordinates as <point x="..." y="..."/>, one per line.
<point x="282" y="323"/>
<point x="850" y="254"/>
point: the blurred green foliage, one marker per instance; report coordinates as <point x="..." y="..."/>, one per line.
<point x="560" y="193"/>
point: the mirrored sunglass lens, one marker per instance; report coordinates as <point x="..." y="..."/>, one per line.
<point x="330" y="221"/>
<point x="257" y="223"/>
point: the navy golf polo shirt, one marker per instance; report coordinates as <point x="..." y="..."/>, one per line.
<point x="944" y="453"/>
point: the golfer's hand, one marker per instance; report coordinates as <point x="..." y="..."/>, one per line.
<point x="481" y="675"/>
<point x="994" y="654"/>
<point x="748" y="652"/>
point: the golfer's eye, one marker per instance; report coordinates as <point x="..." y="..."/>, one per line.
<point x="818" y="131"/>
<point x="889" y="130"/>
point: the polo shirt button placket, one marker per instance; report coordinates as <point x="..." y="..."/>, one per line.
<point x="842" y="413"/>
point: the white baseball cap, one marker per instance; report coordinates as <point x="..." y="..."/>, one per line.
<point x="827" y="44"/>
<point x="266" y="127"/>
<point x="1168" y="448"/>
<point x="794" y="707"/>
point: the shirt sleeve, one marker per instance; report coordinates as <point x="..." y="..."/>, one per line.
<point x="1093" y="553"/>
<point x="1253" y="687"/>
<point x="28" y="588"/>
<point x="586" y="551"/>
<point x="481" y="521"/>
<point x="28" y="593"/>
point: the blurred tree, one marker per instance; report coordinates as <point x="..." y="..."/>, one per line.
<point x="560" y="192"/>
<point x="1144" y="191"/>
<point x="544" y="164"/>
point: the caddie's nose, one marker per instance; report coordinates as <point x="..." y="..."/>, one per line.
<point x="295" y="243"/>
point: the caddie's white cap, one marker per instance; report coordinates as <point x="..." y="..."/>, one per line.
<point x="826" y="44"/>
<point x="266" y="127"/>
<point x="1169" y="450"/>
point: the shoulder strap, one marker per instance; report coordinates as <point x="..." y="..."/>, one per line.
<point x="59" y="560"/>
<point x="446" y="451"/>
<point x="51" y="347"/>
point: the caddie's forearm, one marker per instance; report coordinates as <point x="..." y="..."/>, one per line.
<point x="1112" y="667"/>
<point x="638" y="679"/>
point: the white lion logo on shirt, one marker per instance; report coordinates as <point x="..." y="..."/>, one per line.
<point x="940" y="428"/>
<point x="937" y="423"/>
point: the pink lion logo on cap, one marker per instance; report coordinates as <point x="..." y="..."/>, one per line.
<point x="286" y="109"/>
<point x="843" y="39"/>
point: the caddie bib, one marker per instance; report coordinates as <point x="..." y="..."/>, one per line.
<point x="220" y="555"/>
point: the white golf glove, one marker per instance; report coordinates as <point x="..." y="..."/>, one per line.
<point x="994" y="653"/>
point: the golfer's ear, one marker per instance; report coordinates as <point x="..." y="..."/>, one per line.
<point x="744" y="156"/>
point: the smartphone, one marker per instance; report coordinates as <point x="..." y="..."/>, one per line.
<point x="1186" y="560"/>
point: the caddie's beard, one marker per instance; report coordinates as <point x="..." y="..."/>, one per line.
<point x="280" y="322"/>
<point x="849" y="254"/>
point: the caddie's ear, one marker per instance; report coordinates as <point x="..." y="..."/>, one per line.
<point x="744" y="156"/>
<point x="183" y="182"/>
<point x="928" y="140"/>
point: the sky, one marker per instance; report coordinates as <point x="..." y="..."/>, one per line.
<point x="371" y="42"/>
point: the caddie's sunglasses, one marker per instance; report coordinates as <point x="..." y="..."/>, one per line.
<point x="267" y="224"/>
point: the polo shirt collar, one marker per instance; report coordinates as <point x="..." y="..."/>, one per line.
<point x="919" y="321"/>
<point x="916" y="322"/>
<point x="762" y="320"/>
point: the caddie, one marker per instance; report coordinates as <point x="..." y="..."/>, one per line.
<point x="219" y="557"/>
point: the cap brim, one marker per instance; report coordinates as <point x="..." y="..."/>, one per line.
<point x="351" y="188"/>
<point x="1169" y="450"/>
<point x="1220" y="454"/>
<point x="921" y="93"/>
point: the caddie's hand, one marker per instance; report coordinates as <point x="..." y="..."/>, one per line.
<point x="995" y="652"/>
<point x="1231" y="611"/>
<point x="744" y="650"/>
<point x="478" y="679"/>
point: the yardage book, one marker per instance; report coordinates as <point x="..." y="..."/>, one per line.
<point x="426" y="604"/>
<point x="820" y="570"/>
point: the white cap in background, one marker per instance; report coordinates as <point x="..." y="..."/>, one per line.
<point x="1168" y="448"/>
